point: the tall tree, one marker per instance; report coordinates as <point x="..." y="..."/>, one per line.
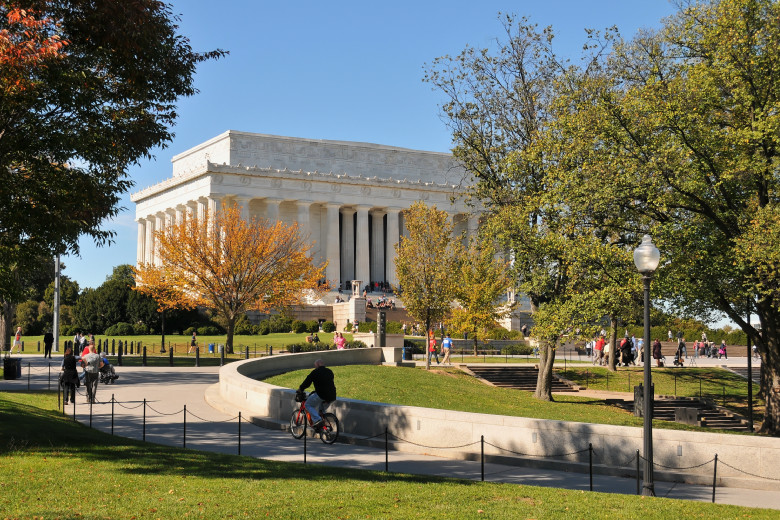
<point x="679" y="130"/>
<point x="232" y="265"/>
<point x="425" y="265"/>
<point x="481" y="281"/>
<point x="86" y="90"/>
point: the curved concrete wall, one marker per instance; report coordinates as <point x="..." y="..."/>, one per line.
<point x="457" y="434"/>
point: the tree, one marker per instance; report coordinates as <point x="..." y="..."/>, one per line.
<point x="425" y="264"/>
<point x="678" y="130"/>
<point x="232" y="265"/>
<point x="98" y="309"/>
<point x="86" y="90"/>
<point x="481" y="281"/>
<point x="69" y="292"/>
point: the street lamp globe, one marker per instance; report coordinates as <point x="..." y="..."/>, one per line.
<point x="647" y="256"/>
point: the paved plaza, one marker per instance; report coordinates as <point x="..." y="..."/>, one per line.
<point x="168" y="390"/>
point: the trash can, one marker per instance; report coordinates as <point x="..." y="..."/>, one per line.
<point x="407" y="354"/>
<point x="211" y="348"/>
<point x="12" y="368"/>
<point x="221" y="348"/>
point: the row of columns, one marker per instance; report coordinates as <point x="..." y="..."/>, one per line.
<point x="341" y="231"/>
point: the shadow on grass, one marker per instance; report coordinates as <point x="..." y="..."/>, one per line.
<point x="28" y="428"/>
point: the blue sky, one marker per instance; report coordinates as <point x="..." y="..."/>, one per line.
<point x="347" y="71"/>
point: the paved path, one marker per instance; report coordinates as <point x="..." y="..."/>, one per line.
<point x="168" y="390"/>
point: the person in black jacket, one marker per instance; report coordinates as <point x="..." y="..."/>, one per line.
<point x="324" y="390"/>
<point x="70" y="376"/>
<point x="48" y="341"/>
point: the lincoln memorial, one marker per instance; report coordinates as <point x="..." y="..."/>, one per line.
<point x="348" y="197"/>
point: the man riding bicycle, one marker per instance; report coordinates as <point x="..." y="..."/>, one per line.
<point x="324" y="390"/>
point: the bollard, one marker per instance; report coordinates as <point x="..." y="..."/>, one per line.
<point x="239" y="432"/>
<point x="22" y="346"/>
<point x="184" y="434"/>
<point x="246" y="352"/>
<point x="112" y="414"/>
<point x="387" y="460"/>
<point x="113" y="344"/>
<point x="143" y="362"/>
<point x="482" y="455"/>
<point x="39" y="346"/>
<point x="132" y="344"/>
<point x="197" y="356"/>
<point x="714" y="478"/>
<point x="638" y="475"/>
<point x="144" y="434"/>
<point x="119" y="354"/>
<point x="221" y="356"/>
<point x="590" y="463"/>
<point x="170" y="356"/>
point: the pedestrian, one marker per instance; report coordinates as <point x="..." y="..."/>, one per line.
<point x="446" y="345"/>
<point x="432" y="352"/>
<point x="669" y="334"/>
<point x="193" y="342"/>
<point x="524" y="330"/>
<point x="69" y="379"/>
<point x="48" y="341"/>
<point x="722" y="350"/>
<point x="598" y="356"/>
<point x="92" y="365"/>
<point x="657" y="354"/>
<point x="17" y="340"/>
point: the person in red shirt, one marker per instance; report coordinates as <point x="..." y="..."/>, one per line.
<point x="598" y="355"/>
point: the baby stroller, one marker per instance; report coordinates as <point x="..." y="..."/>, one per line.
<point x="107" y="374"/>
<point x="678" y="359"/>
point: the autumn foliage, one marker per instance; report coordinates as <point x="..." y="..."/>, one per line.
<point x="230" y="265"/>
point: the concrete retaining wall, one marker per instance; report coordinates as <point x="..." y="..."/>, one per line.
<point x="458" y="434"/>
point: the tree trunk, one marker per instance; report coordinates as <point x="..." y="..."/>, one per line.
<point x="427" y="339"/>
<point x="6" y="325"/>
<point x="231" y="326"/>
<point x="770" y="369"/>
<point x="612" y="346"/>
<point x="476" y="346"/>
<point x="546" y="362"/>
<point x="162" y="326"/>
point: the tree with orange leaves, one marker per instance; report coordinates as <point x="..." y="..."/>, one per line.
<point x="232" y="265"/>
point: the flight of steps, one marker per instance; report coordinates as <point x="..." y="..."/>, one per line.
<point x="711" y="416"/>
<point x="521" y="377"/>
<point x="742" y="371"/>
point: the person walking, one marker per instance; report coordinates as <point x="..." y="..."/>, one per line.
<point x="70" y="376"/>
<point x="193" y="342"/>
<point x="657" y="354"/>
<point x="722" y="350"/>
<point x="432" y="348"/>
<point x="598" y="350"/>
<point x="446" y="345"/>
<point x="92" y="365"/>
<point x="17" y="340"/>
<point x="48" y="341"/>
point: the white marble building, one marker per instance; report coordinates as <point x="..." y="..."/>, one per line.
<point x="348" y="197"/>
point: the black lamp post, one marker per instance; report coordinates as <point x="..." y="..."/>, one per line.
<point x="646" y="258"/>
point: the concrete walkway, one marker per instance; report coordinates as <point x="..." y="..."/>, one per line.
<point x="168" y="390"/>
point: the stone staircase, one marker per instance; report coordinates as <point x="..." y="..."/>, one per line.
<point x="742" y="371"/>
<point x="520" y="377"/>
<point x="707" y="415"/>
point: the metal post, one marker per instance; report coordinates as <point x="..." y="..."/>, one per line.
<point x="387" y="460"/>
<point x="222" y="356"/>
<point x="638" y="473"/>
<point x="239" y="432"/>
<point x="482" y="455"/>
<point x="246" y="352"/>
<point x="144" y="357"/>
<point x="590" y="464"/>
<point x="305" y="434"/>
<point x="197" y="356"/>
<point x="184" y="433"/>
<point x="714" y="477"/>
<point x="28" y="376"/>
<point x="144" y="434"/>
<point x="112" y="414"/>
<point x="170" y="355"/>
<point x="90" y="410"/>
<point x="750" y="377"/>
<point x="649" y="484"/>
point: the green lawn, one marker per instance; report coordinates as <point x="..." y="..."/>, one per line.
<point x="451" y="389"/>
<point x="51" y="467"/>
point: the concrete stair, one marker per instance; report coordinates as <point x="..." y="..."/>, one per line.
<point x="521" y="377"/>
<point x="665" y="409"/>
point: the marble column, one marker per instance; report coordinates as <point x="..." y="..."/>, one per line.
<point x="149" y="248"/>
<point x="140" y="254"/>
<point x="333" y="269"/>
<point x="243" y="206"/>
<point x="347" y="245"/>
<point x="201" y="210"/>
<point x="377" y="246"/>
<point x="362" y="247"/>
<point x="159" y="222"/>
<point x="272" y="210"/>
<point x="393" y="235"/>
<point x="180" y="212"/>
<point x="304" y="220"/>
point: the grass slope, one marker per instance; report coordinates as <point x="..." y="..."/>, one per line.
<point x="51" y="467"/>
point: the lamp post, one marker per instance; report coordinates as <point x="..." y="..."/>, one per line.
<point x="646" y="258"/>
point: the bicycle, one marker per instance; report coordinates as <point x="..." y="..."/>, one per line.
<point x="301" y="419"/>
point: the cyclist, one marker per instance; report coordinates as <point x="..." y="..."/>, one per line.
<point x="324" y="390"/>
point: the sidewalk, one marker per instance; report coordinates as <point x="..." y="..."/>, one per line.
<point x="168" y="390"/>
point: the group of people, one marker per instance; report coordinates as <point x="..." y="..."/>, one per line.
<point x="382" y="302"/>
<point x="91" y="362"/>
<point x="433" y="351"/>
<point x="629" y="349"/>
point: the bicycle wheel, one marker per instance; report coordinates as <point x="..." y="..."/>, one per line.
<point x="297" y="424"/>
<point x="329" y="431"/>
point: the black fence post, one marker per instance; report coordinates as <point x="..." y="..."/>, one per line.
<point x="387" y="461"/>
<point x="197" y="356"/>
<point x="590" y="464"/>
<point x="246" y="352"/>
<point x="28" y="376"/>
<point x="39" y="346"/>
<point x="222" y="355"/>
<point x="74" y="407"/>
<point x="482" y="455"/>
<point x="119" y="354"/>
<point x="170" y="355"/>
<point x="144" y="434"/>
<point x="113" y="345"/>
<point x="112" y="414"/>
<point x="714" y="477"/>
<point x="90" y="410"/>
<point x="143" y="362"/>
<point x="184" y="435"/>
<point x="638" y="473"/>
<point x="239" y="431"/>
<point x="305" y="434"/>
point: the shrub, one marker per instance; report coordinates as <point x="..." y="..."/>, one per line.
<point x="141" y="329"/>
<point x="312" y="326"/>
<point x="280" y="323"/>
<point x="518" y="349"/>
<point x="355" y="344"/>
<point x="120" y="329"/>
<point x="263" y="328"/>
<point x="393" y="327"/>
<point x="348" y="327"/>
<point x="298" y="327"/>
<point x="328" y="326"/>
<point x="189" y="330"/>
<point x="367" y="327"/>
<point x="208" y="330"/>
<point x="244" y="328"/>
